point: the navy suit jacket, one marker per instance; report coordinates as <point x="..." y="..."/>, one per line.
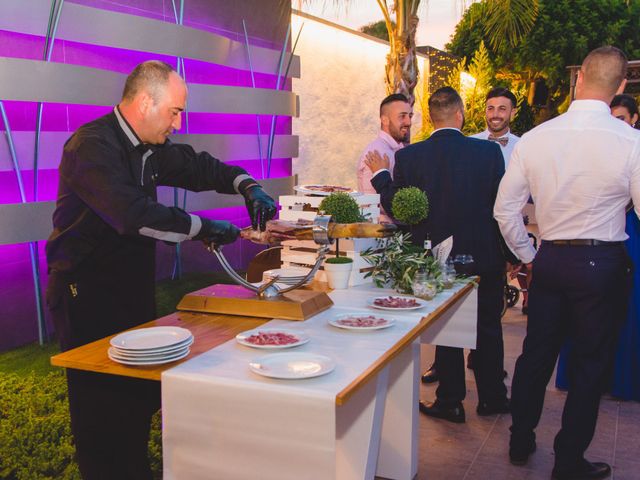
<point x="460" y="176"/>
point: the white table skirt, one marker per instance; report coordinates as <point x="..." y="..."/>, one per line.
<point x="221" y="421"/>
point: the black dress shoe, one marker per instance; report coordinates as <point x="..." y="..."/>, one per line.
<point x="520" y="456"/>
<point x="587" y="470"/>
<point x="454" y="413"/>
<point x="431" y="375"/>
<point x="486" y="408"/>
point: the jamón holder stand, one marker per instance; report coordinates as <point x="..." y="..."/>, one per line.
<point x="267" y="299"/>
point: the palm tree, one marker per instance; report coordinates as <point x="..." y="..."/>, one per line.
<point x="508" y="21"/>
<point x="401" y="70"/>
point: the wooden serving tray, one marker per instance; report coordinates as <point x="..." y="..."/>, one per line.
<point x="297" y="304"/>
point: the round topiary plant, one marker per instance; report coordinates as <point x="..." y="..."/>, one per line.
<point x="342" y="207"/>
<point x="410" y="205"/>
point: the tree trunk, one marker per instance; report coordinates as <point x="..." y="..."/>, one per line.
<point x="402" y="65"/>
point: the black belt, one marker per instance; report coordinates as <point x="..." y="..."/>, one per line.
<point x="585" y="242"/>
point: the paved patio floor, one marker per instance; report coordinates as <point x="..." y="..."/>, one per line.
<point x="478" y="449"/>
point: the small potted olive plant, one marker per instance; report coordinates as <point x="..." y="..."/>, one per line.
<point x="343" y="209"/>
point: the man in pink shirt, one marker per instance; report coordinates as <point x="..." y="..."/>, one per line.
<point x="395" y="130"/>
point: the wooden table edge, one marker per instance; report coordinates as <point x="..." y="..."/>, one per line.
<point x="343" y="396"/>
<point x="155" y="372"/>
<point x="67" y="359"/>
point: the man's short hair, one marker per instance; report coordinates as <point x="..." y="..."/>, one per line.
<point x="604" y="68"/>
<point x="444" y="103"/>
<point x="150" y="75"/>
<point x="394" y="97"/>
<point x="502" y="92"/>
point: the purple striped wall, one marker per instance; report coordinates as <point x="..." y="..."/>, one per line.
<point x="267" y="23"/>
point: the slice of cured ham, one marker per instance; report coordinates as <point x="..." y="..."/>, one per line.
<point x="395" y="302"/>
<point x="367" y="321"/>
<point x="272" y="338"/>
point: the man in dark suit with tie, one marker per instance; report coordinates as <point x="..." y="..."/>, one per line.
<point x="460" y="176"/>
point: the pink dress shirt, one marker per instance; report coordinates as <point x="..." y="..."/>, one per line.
<point x="384" y="144"/>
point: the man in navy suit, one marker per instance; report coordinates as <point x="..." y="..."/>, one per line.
<point x="460" y="176"/>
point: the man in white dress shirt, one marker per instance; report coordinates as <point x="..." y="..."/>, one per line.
<point x="395" y="130"/>
<point x="581" y="169"/>
<point x="500" y="111"/>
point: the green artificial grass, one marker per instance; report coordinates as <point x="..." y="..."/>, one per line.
<point x="29" y="359"/>
<point x="34" y="358"/>
<point x="35" y="431"/>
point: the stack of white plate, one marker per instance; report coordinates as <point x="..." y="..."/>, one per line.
<point x="288" y="276"/>
<point x="150" y="346"/>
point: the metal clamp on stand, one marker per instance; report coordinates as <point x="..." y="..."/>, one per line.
<point x="321" y="230"/>
<point x="269" y="288"/>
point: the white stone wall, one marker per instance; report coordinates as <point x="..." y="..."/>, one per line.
<point x="340" y="90"/>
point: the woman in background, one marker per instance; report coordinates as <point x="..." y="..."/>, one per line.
<point x="625" y="383"/>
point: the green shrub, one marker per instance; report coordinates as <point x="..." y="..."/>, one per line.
<point x="35" y="428"/>
<point x="410" y="205"/>
<point x="339" y="260"/>
<point x="155" y="446"/>
<point x="342" y="207"/>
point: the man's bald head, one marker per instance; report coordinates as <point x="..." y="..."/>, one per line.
<point x="153" y="100"/>
<point x="603" y="71"/>
<point x="151" y="76"/>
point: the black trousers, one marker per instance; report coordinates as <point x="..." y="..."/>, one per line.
<point x="110" y="415"/>
<point x="577" y="292"/>
<point x="489" y="356"/>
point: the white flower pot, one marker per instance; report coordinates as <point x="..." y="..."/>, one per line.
<point x="338" y="274"/>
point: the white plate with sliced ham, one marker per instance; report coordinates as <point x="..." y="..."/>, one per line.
<point x="397" y="303"/>
<point x="270" y="338"/>
<point x="361" y="322"/>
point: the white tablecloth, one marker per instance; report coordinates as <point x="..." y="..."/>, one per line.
<point x="220" y="420"/>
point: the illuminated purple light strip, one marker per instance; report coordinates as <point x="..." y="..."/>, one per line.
<point x="197" y="17"/>
<point x="20" y="45"/>
<point x="68" y="118"/>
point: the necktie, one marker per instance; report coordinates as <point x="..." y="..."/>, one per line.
<point x="501" y="140"/>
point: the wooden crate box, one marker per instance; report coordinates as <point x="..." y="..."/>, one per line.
<point x="306" y="207"/>
<point x="298" y="253"/>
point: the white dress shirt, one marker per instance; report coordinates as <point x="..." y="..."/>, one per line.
<point x="580" y="168"/>
<point x="507" y="149"/>
<point x="384" y="144"/>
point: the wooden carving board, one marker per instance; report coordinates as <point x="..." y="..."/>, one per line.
<point x="236" y="300"/>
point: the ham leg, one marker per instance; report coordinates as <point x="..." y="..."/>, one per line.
<point x="279" y="230"/>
